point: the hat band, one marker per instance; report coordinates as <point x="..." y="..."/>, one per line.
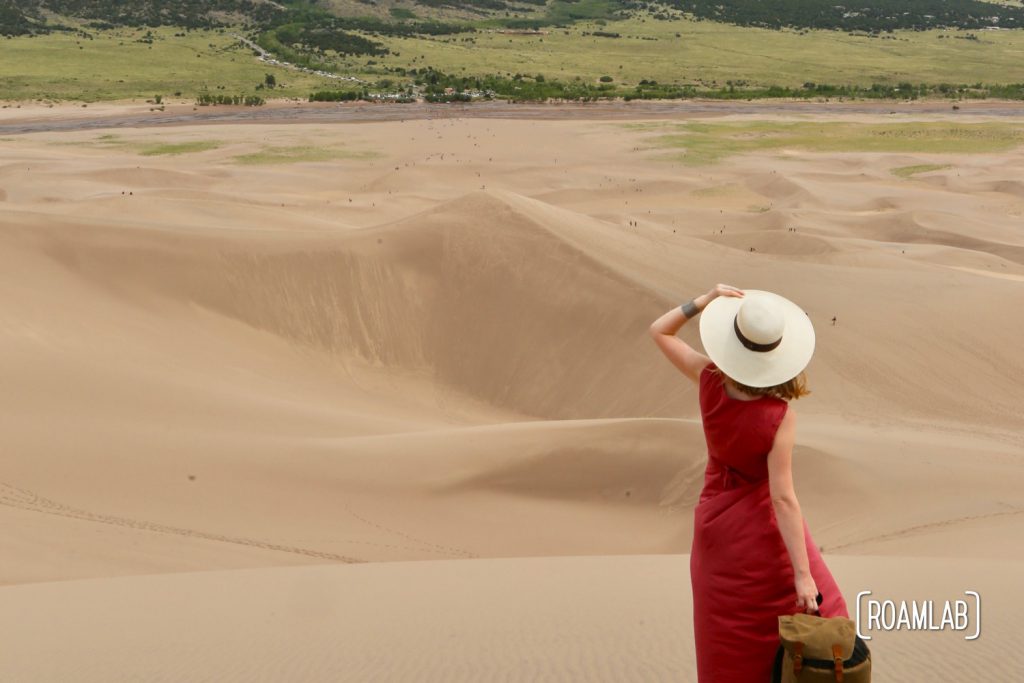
<point x="752" y="345"/>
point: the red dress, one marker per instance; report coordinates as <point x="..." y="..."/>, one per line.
<point x="740" y="570"/>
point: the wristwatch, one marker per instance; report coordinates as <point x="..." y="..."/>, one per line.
<point x="689" y="309"/>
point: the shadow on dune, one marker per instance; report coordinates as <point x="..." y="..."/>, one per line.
<point x="476" y="293"/>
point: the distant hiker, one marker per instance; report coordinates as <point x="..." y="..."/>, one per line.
<point x="753" y="558"/>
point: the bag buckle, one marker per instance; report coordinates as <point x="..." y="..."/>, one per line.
<point x="837" y="657"/>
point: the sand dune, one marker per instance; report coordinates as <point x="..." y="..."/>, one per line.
<point x="427" y="360"/>
<point x="772" y="242"/>
<point x="547" y="619"/>
<point x="1011" y="187"/>
<point x="910" y="227"/>
<point x="778" y="187"/>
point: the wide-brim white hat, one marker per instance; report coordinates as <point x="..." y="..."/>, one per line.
<point x="760" y="339"/>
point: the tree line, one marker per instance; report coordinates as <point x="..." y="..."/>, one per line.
<point x="18" y="17"/>
<point x="867" y="15"/>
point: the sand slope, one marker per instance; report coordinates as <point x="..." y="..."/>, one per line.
<point x="547" y="619"/>
<point x="435" y="348"/>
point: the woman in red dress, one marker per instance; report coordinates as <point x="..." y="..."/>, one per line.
<point x="753" y="557"/>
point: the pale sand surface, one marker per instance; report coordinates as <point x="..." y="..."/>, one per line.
<point x="600" y="618"/>
<point x="434" y="348"/>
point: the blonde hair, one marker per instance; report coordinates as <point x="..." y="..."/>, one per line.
<point x="791" y="389"/>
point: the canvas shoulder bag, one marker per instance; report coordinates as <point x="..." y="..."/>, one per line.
<point x="815" y="649"/>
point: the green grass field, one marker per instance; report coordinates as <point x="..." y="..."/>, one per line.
<point x="911" y="171"/>
<point x="295" y="154"/>
<point x="144" y="147"/>
<point x="114" y="65"/>
<point x="707" y="52"/>
<point x="178" y="148"/>
<point x="266" y="155"/>
<point x="707" y="143"/>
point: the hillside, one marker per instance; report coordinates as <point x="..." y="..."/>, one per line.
<point x="17" y="18"/>
<point x="873" y="16"/>
<point x="41" y="16"/>
<point x="516" y="50"/>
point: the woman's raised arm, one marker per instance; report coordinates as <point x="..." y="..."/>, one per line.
<point x="688" y="360"/>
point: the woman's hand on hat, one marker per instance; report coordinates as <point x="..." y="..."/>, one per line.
<point x="718" y="290"/>
<point x="724" y="290"/>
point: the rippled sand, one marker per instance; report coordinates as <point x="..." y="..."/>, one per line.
<point x="340" y="401"/>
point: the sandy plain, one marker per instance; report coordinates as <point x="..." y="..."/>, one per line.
<point x="376" y="401"/>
